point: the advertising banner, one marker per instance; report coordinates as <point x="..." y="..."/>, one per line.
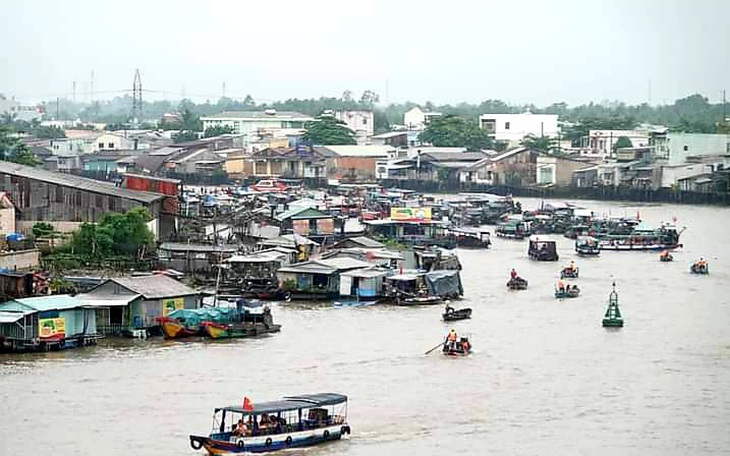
<point x="168" y="305"/>
<point x="52" y="328"/>
<point x="410" y="214"/>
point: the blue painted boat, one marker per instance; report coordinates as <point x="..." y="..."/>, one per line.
<point x="292" y="422"/>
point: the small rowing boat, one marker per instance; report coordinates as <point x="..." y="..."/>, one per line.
<point x="453" y="315"/>
<point x="462" y="347"/>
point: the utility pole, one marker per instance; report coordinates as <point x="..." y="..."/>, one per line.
<point x="58" y="108"/>
<point x="74" y="92"/>
<point x="224" y="90"/>
<point x="91" y="88"/>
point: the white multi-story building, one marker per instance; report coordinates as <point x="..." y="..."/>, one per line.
<point x="258" y="125"/>
<point x="361" y="122"/>
<point x="512" y="128"/>
<point x="416" y="118"/>
<point x="601" y="143"/>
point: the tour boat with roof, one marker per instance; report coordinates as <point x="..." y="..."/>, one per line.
<point x="291" y="422"/>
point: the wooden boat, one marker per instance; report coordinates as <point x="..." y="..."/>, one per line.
<point x="696" y="268"/>
<point x="174" y="329"/>
<point x="542" y="249"/>
<point x="587" y="246"/>
<point x="460" y="314"/>
<point x="666" y="258"/>
<point x="418" y="300"/>
<point x="518" y="283"/>
<point x="250" y="325"/>
<point x="642" y="239"/>
<point x="612" y="318"/>
<point x="460" y="348"/>
<point x="569" y="273"/>
<point x="572" y="292"/>
<point x="291" y="422"/>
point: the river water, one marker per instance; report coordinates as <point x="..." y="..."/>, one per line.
<point x="545" y="377"/>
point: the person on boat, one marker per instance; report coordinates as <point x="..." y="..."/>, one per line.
<point x="449" y="309"/>
<point x="241" y="429"/>
<point x="571" y="266"/>
<point x="664" y="254"/>
<point x="561" y="285"/>
<point x="451" y="339"/>
<point x="702" y="264"/>
<point x="465" y="344"/>
<point x="513" y="274"/>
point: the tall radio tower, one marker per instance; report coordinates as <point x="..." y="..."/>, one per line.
<point x="136" y="98"/>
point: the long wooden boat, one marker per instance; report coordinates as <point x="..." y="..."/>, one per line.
<point x="292" y="422"/>
<point x="238" y="330"/>
<point x="587" y="246"/>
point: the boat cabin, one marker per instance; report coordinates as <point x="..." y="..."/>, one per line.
<point x="256" y="272"/>
<point x="512" y="229"/>
<point x="363" y="284"/>
<point x="587" y="245"/>
<point x="293" y="421"/>
<point x="541" y="249"/>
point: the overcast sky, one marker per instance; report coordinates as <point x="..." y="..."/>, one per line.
<point x="520" y="51"/>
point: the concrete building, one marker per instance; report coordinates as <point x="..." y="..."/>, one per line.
<point x="416" y="118"/>
<point x="361" y="122"/>
<point x="392" y="138"/>
<point x="259" y="125"/>
<point x="515" y="167"/>
<point x="7" y="215"/>
<point x="552" y="170"/>
<point x="66" y="147"/>
<point x="110" y="141"/>
<point x="600" y="144"/>
<point x="357" y="162"/>
<point x="680" y="146"/>
<point x="512" y="128"/>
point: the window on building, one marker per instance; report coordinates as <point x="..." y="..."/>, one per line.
<point x="365" y="121"/>
<point x="101" y="145"/>
<point x="506" y="125"/>
<point x="686" y="147"/>
<point x="110" y="145"/>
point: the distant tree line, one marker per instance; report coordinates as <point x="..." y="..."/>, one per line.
<point x="691" y="114"/>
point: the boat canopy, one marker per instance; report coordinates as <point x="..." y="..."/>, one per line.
<point x="403" y="277"/>
<point x="289" y="403"/>
<point x="445" y="282"/>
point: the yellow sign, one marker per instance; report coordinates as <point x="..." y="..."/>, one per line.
<point x="168" y="305"/>
<point x="52" y="328"/>
<point x="410" y="214"/>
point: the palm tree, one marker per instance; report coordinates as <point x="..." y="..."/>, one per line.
<point x="543" y="143"/>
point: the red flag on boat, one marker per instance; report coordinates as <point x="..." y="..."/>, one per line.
<point x="247" y="404"/>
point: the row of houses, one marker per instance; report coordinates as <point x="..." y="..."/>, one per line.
<point x="115" y="307"/>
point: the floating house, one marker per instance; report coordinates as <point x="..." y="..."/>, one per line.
<point x="410" y="232"/>
<point x="134" y="303"/>
<point x="363" y="284"/>
<point x="307" y="221"/>
<point x="193" y="257"/>
<point x="362" y="242"/>
<point x="47" y="323"/>
<point x="304" y="247"/>
<point x="317" y="279"/>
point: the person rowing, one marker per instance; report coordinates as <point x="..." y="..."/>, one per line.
<point x="513" y="274"/>
<point x="449" y="309"/>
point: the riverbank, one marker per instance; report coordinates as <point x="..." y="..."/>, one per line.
<point x="663" y="195"/>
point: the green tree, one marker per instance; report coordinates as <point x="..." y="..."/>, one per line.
<point x="455" y="131"/>
<point x="12" y="150"/>
<point x="217" y="131"/>
<point x="328" y="131"/>
<point x="115" y="234"/>
<point x="184" y="136"/>
<point x="622" y="142"/>
<point x="42" y="229"/>
<point x="543" y="143"/>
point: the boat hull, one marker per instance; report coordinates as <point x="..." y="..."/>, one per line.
<point x="269" y="443"/>
<point x="567" y="294"/>
<point x="461" y="314"/>
<point x="637" y="247"/>
<point x="694" y="269"/>
<point x="216" y="331"/>
<point x="568" y="274"/>
<point x="517" y="284"/>
<point x="172" y="329"/>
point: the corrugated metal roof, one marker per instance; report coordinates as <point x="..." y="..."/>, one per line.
<point x="155" y="286"/>
<point x="309" y="267"/>
<point x="76" y="182"/>
<point x="259" y="115"/>
<point x="361" y="151"/>
<point x="12" y="316"/>
<point x="44" y="303"/>
<point x="95" y="300"/>
<point x="363" y="241"/>
<point x="183" y="247"/>
<point x="344" y="263"/>
<point x="365" y="273"/>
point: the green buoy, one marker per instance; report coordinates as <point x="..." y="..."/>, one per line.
<point x="612" y="318"/>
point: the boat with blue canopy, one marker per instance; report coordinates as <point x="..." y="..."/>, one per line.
<point x="291" y="422"/>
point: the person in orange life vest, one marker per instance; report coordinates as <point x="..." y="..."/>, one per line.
<point x="451" y="338"/>
<point x="513" y="273"/>
<point x="561" y="285"/>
